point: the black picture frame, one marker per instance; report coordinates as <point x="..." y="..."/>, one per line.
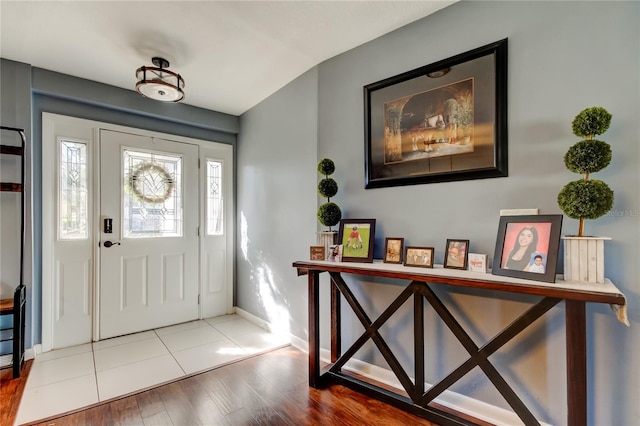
<point x="357" y="244"/>
<point x="446" y="121"/>
<point x="393" y="250"/>
<point x="544" y="230"/>
<point x="456" y="254"/>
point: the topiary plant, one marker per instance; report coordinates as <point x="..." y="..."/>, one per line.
<point x="329" y="214"/>
<point x="587" y="198"/>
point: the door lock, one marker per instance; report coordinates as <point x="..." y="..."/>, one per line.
<point x="108" y="244"/>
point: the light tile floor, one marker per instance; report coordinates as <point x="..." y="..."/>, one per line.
<point x="71" y="378"/>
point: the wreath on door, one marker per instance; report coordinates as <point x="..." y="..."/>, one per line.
<point x="151" y="183"/>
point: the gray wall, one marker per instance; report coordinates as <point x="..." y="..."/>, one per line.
<point x="563" y="57"/>
<point x="276" y="202"/>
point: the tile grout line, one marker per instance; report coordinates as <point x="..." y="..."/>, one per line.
<point x="170" y="352"/>
<point x="95" y="370"/>
<point x="134" y="362"/>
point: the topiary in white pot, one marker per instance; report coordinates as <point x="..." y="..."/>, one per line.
<point x="329" y="214"/>
<point x="586" y="198"/>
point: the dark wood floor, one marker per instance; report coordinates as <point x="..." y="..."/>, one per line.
<point x="270" y="389"/>
<point x="10" y="392"/>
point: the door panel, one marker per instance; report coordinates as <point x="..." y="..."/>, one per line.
<point x="72" y="301"/>
<point x="149" y="276"/>
<point x="68" y="237"/>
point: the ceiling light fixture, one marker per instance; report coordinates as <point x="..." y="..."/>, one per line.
<point x="159" y="83"/>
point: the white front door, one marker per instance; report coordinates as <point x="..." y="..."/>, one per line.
<point x="153" y="278"/>
<point x="149" y="233"/>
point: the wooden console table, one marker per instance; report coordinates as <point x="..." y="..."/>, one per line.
<point x="575" y="295"/>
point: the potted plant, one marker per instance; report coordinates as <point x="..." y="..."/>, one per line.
<point x="586" y="198"/>
<point x="329" y="214"/>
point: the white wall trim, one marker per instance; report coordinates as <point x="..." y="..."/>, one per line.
<point x="31" y="352"/>
<point x="254" y="319"/>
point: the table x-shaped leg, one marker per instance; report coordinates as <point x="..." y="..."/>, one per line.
<point x="478" y="356"/>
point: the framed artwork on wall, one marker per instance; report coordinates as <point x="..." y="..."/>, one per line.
<point x="527" y="247"/>
<point x="356" y="237"/>
<point x="445" y="121"/>
<point x="456" y="254"/>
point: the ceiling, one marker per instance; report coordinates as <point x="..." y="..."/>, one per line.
<point x="232" y="54"/>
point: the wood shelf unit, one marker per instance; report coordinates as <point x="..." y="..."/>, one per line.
<point x="15" y="307"/>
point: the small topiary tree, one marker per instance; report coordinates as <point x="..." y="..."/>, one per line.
<point x="329" y="214"/>
<point x="587" y="198"/>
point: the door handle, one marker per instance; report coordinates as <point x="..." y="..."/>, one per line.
<point x="108" y="244"/>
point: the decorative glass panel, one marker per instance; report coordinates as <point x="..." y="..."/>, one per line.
<point x="73" y="202"/>
<point x="215" y="216"/>
<point x="152" y="202"/>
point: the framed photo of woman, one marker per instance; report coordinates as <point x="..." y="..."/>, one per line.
<point x="527" y="247"/>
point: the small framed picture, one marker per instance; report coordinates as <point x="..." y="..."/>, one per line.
<point x="393" y="250"/>
<point x="456" y="254"/>
<point x="357" y="237"/>
<point x="478" y="262"/>
<point x="317" y="253"/>
<point x="527" y="247"/>
<point x="335" y="253"/>
<point x="419" y="256"/>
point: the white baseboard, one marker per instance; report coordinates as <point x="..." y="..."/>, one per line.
<point x="252" y="318"/>
<point x="31" y="352"/>
<point x="299" y="343"/>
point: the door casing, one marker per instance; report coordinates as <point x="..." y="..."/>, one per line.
<point x="53" y="126"/>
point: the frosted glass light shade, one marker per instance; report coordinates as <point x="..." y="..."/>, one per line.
<point x="159" y="83"/>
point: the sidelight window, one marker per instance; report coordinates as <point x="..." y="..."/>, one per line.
<point x="73" y="205"/>
<point x="215" y="216"/>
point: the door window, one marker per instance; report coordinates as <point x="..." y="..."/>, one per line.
<point x="152" y="202"/>
<point x="215" y="216"/>
<point x="73" y="205"/>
